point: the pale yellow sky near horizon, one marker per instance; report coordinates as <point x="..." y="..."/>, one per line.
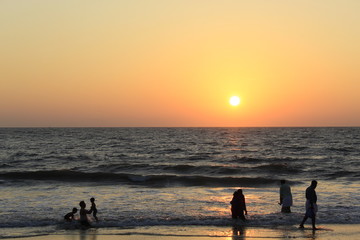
<point x="176" y="63"/>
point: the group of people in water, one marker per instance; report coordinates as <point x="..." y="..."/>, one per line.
<point x="238" y="205"/>
<point x="84" y="221"/>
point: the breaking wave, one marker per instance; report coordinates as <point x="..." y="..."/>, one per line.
<point x="146" y="180"/>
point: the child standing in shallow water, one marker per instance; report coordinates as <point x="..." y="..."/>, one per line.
<point x="93" y="208"/>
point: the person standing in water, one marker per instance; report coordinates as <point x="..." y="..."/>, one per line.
<point x="285" y="197"/>
<point x="238" y="205"/>
<point x="83" y="214"/>
<point x="93" y="208"/>
<point x="311" y="206"/>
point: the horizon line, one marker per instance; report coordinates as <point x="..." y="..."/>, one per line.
<point x="329" y="126"/>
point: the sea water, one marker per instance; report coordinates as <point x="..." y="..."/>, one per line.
<point x="145" y="177"/>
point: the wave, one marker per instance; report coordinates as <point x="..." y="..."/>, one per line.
<point x="199" y="157"/>
<point x="281" y="167"/>
<point x="209" y="169"/>
<point x="238" y="159"/>
<point x="340" y="174"/>
<point x="270" y="219"/>
<point x="137" y="179"/>
<point x="345" y="149"/>
<point x="297" y="148"/>
<point x="4" y="165"/>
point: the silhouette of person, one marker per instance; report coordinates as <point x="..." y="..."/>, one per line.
<point x="285" y="197"/>
<point x="83" y="214"/>
<point x="70" y="216"/>
<point x="238" y="206"/>
<point x="93" y="208"/>
<point x="311" y="206"/>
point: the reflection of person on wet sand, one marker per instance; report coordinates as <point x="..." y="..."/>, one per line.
<point x="83" y="214"/>
<point x="285" y="197"/>
<point x="238" y="231"/>
<point x="311" y="206"/>
<point x="88" y="234"/>
<point x="70" y="216"/>
<point x="238" y="206"/>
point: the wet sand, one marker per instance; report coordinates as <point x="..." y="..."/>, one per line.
<point x="328" y="232"/>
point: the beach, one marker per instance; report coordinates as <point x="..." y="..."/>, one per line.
<point x="154" y="183"/>
<point x="326" y="232"/>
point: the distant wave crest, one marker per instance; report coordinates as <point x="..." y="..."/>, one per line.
<point x="146" y="180"/>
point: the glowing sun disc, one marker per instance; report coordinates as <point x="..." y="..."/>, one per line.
<point x="234" y="100"/>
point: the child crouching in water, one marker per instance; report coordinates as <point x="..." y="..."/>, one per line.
<point x="69" y="217"/>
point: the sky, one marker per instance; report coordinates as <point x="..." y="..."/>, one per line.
<point x="161" y="63"/>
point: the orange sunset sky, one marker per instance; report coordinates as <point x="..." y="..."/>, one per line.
<point x="162" y="63"/>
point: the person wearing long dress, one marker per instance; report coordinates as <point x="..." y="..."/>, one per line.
<point x="238" y="205"/>
<point x="286" y="200"/>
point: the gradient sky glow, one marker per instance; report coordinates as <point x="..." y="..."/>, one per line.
<point x="73" y="63"/>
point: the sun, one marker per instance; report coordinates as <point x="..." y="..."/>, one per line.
<point x="234" y="100"/>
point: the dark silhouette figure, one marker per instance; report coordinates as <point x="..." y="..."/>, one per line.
<point x="69" y="217"/>
<point x="93" y="208"/>
<point x="311" y="206"/>
<point x="83" y="214"/>
<point x="285" y="197"/>
<point x="238" y="206"/>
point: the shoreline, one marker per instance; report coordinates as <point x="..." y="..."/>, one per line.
<point x="325" y="232"/>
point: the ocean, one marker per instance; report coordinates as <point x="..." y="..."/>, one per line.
<point x="145" y="177"/>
